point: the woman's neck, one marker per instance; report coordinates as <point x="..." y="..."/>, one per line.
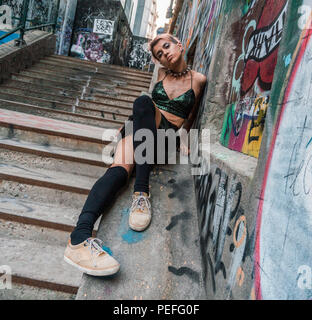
<point x="179" y="68"/>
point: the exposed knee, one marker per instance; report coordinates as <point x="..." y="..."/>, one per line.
<point x="143" y="106"/>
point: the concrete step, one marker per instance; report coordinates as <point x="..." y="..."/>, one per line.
<point x="55" y="111"/>
<point x="107" y="66"/>
<point x="82" y="91"/>
<point x="87" y="99"/>
<point x="80" y="84"/>
<point x="35" y="257"/>
<point x="84" y="74"/>
<point x="47" y="215"/>
<point x="39" y="79"/>
<point x="53" y="158"/>
<point x="91" y="71"/>
<point x="47" y="101"/>
<point x="116" y="75"/>
<point x="164" y="261"/>
<point x="45" y="186"/>
<point x="21" y="291"/>
<point x="46" y="178"/>
<point x="94" y="79"/>
<point x="109" y="108"/>
<point x="51" y="132"/>
<point x="63" y="155"/>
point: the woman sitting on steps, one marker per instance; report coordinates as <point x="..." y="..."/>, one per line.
<point x="175" y="100"/>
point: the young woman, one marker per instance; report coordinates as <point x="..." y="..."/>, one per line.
<point x="174" y="102"/>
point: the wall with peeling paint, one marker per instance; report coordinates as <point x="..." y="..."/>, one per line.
<point x="41" y="12"/>
<point x="96" y="31"/>
<point x="254" y="190"/>
<point x="102" y="34"/>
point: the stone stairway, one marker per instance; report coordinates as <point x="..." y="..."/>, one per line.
<point x="52" y="120"/>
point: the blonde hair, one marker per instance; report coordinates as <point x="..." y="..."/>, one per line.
<point x="166" y="36"/>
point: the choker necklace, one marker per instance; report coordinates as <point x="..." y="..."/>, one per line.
<point x="178" y="74"/>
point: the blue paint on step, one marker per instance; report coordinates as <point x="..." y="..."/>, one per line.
<point x="126" y="233"/>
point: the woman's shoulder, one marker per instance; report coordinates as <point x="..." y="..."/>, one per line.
<point x="161" y="73"/>
<point x="199" y="77"/>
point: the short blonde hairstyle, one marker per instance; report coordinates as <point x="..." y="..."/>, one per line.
<point x="166" y="36"/>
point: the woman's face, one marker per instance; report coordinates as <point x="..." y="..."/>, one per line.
<point x="167" y="52"/>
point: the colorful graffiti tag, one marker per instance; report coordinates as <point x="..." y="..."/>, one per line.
<point x="64" y="27"/>
<point x="225" y="242"/>
<point x="283" y="253"/>
<point x="90" y="46"/>
<point x="253" y="75"/>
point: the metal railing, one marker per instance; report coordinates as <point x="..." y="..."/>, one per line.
<point x="23" y="20"/>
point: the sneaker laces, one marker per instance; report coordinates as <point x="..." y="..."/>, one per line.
<point x="140" y="202"/>
<point x="95" y="246"/>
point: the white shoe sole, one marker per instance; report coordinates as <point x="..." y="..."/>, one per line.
<point x="137" y="228"/>
<point x="106" y="272"/>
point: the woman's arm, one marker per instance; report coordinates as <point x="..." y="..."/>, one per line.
<point x="187" y="125"/>
<point x="202" y="80"/>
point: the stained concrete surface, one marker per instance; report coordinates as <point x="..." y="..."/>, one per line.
<point x="162" y="262"/>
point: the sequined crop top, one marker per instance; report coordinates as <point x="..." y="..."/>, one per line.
<point x="180" y="106"/>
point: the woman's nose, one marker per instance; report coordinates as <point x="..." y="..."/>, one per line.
<point x="166" y="52"/>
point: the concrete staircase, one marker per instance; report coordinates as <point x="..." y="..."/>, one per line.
<point x="52" y="117"/>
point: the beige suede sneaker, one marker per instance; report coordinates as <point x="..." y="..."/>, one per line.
<point x="91" y="258"/>
<point x="140" y="212"/>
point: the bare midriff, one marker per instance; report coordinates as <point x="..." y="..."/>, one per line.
<point x="177" y="121"/>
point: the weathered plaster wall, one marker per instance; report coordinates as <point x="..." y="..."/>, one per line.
<point x="284" y="208"/>
<point x="42" y="12"/>
<point x="102" y="34"/>
<point x="254" y="203"/>
<point x="94" y="27"/>
<point x="65" y="24"/>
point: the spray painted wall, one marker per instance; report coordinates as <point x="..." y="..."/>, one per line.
<point x="41" y="12"/>
<point x="255" y="228"/>
<point x="102" y="34"/>
<point x="261" y="31"/>
<point x="65" y="24"/>
<point x="93" y="32"/>
<point x="140" y="56"/>
<point x="284" y="226"/>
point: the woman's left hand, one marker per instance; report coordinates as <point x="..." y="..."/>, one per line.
<point x="184" y="148"/>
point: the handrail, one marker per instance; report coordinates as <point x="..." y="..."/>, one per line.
<point x="23" y="19"/>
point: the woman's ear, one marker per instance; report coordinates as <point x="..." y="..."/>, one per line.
<point x="179" y="44"/>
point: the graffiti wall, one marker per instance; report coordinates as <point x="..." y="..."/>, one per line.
<point x="198" y="30"/>
<point x="64" y="28"/>
<point x="102" y="34"/>
<point x="226" y="242"/>
<point x="39" y="12"/>
<point x="260" y="31"/>
<point x="255" y="233"/>
<point x="139" y="56"/>
<point x="284" y="229"/>
<point x="94" y="28"/>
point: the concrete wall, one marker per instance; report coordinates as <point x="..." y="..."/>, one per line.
<point x="65" y="24"/>
<point x="19" y="59"/>
<point x="39" y="11"/>
<point x="254" y="188"/>
<point x="44" y="12"/>
<point x="102" y="34"/>
<point x="94" y="27"/>
<point x="140" y="56"/>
